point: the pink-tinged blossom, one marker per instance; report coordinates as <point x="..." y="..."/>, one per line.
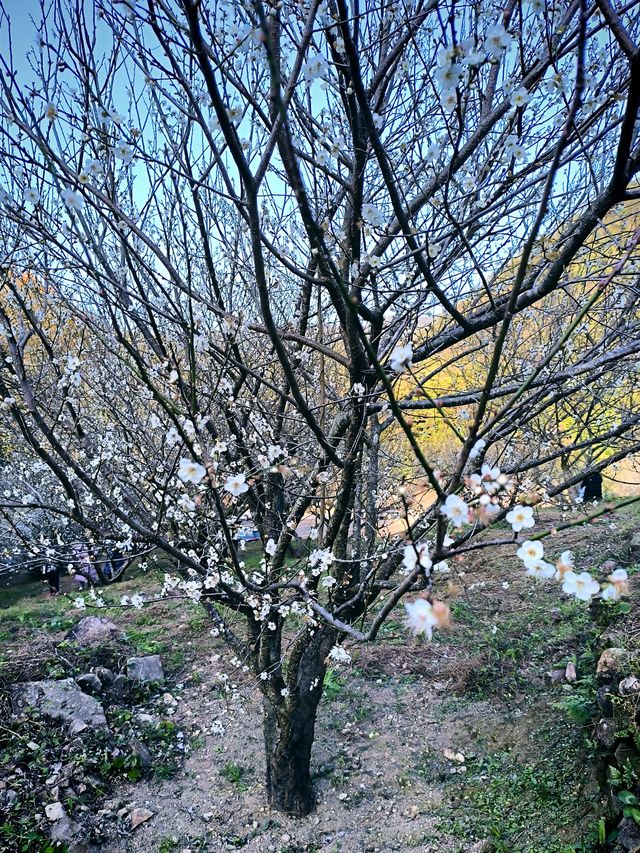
<point x="617" y="586"/>
<point x="583" y="586"/>
<point x="564" y="564"/>
<point x="456" y="510"/>
<point x="236" y="485"/>
<point x="420" y="617"/>
<point x="520" y="517"/>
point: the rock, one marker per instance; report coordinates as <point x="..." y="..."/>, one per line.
<point x="629" y="686"/>
<point x="89" y="683"/>
<point x="146" y="719"/>
<point x="59" y="700"/>
<point x="142" y="753"/>
<point x="612" y="661"/>
<point x="121" y="687"/>
<point x="139" y="816"/>
<point x="608" y="566"/>
<point x="77" y="726"/>
<point x="603" y="699"/>
<point x="570" y="673"/>
<point x="556" y="677"/>
<point x="105" y="675"/>
<point x="70" y="834"/>
<point x="606" y="733"/>
<point x="481" y="847"/>
<point x="629" y="836"/>
<point x="54" y="811"/>
<point x="93" y="629"/>
<point x="145" y="669"/>
<point x="169" y="700"/>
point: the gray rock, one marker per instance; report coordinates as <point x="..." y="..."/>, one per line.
<point x="59" y="700"/>
<point x="120" y="688"/>
<point x="89" y="683"/>
<point x="93" y="629"/>
<point x="69" y="833"/>
<point x="145" y="669"/>
<point x="629" y="686"/>
<point x="606" y="733"/>
<point x="142" y="753"/>
<point x="629" y="836"/>
<point x="105" y="675"/>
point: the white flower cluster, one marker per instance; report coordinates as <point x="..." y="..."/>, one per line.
<point x="583" y="586"/>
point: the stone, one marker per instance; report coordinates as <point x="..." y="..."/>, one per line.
<point x="629" y="686"/>
<point x="570" y="673"/>
<point x="54" y="811"/>
<point x="105" y="675"/>
<point x="59" y="700"/>
<point x="484" y="846"/>
<point x="612" y="661"/>
<point x="77" y="726"/>
<point x="89" y="683"/>
<point x="556" y="677"/>
<point x="94" y="629"/>
<point x="142" y="753"/>
<point x="121" y="687"/>
<point x="629" y="836"/>
<point x="70" y="834"/>
<point x="608" y="566"/>
<point x="604" y="701"/>
<point x="146" y="669"/>
<point x="139" y="816"/>
<point x="606" y="733"/>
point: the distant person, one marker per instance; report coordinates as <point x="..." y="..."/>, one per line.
<point x="118" y="564"/>
<point x="52" y="577"/>
<point x="591" y="487"/>
<point x="85" y="571"/>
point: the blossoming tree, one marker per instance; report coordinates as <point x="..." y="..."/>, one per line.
<point x="266" y="239"/>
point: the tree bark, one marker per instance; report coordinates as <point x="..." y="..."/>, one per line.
<point x="289" y="731"/>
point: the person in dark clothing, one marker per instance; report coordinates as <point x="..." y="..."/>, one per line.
<point x="592" y="487"/>
<point x="52" y="577"/>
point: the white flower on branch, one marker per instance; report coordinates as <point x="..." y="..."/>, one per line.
<point x="191" y="472"/>
<point x="582" y="586"/>
<point x="236" y="485"/>
<point x="400" y="358"/>
<point x="520" y="517"/>
<point x="456" y="510"/>
<point x="73" y="200"/>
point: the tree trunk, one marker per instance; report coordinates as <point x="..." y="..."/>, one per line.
<point x="289" y="729"/>
<point x="288" y="756"/>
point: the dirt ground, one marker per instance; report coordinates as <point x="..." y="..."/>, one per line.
<point x="461" y="744"/>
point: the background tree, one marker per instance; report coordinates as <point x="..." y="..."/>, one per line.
<point x="255" y="218"/>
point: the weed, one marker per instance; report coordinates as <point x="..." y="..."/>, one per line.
<point x="333" y="686"/>
<point x="235" y="774"/>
